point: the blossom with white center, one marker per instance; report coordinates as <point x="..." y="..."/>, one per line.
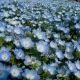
<point x="27" y="43"/>
<point x="5" y="54"/>
<point x="77" y="26"/>
<point x="19" y="53"/>
<point x="27" y="60"/>
<point x="8" y="38"/>
<point x="77" y="63"/>
<point x="9" y="28"/>
<point x="39" y="34"/>
<point x="2" y="27"/>
<point x="77" y="74"/>
<point x="59" y="54"/>
<point x="18" y="30"/>
<point x="15" y="71"/>
<point x="52" y="70"/>
<point x="71" y="66"/>
<point x="68" y="55"/>
<point x="53" y="44"/>
<point x="42" y="47"/>
<point x="17" y="43"/>
<point x="31" y="74"/>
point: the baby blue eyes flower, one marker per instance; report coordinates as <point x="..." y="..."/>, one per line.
<point x="17" y="43"/>
<point x="59" y="54"/>
<point x="71" y="66"/>
<point x="3" y="73"/>
<point x="19" y="53"/>
<point x="52" y="70"/>
<point x="2" y="27"/>
<point x="15" y="71"/>
<point x="18" y="30"/>
<point x="42" y="47"/>
<point x="77" y="63"/>
<point x="39" y="34"/>
<point x="28" y="60"/>
<point x="5" y="55"/>
<point x="8" y="38"/>
<point x="77" y="74"/>
<point x="53" y="45"/>
<point x="27" y="43"/>
<point x="68" y="55"/>
<point x="31" y="74"/>
<point x="77" y="26"/>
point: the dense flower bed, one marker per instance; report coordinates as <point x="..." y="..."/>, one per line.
<point x="39" y="40"/>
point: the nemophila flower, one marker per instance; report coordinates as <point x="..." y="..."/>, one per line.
<point x="72" y="67"/>
<point x="5" y="55"/>
<point x="61" y="42"/>
<point x="45" y="67"/>
<point x="78" y="48"/>
<point x="77" y="26"/>
<point x="31" y="74"/>
<point x="27" y="43"/>
<point x="68" y="55"/>
<point x="8" y="38"/>
<point x="2" y="27"/>
<point x="27" y="60"/>
<point x="15" y="71"/>
<point x="17" y="43"/>
<point x="77" y="74"/>
<point x="77" y="63"/>
<point x="27" y="29"/>
<point x="19" y="53"/>
<point x="9" y="28"/>
<point x="39" y="34"/>
<point x="59" y="54"/>
<point x="56" y="36"/>
<point x="52" y="70"/>
<point x="3" y="72"/>
<point x="53" y="45"/>
<point x="18" y="30"/>
<point x="68" y="49"/>
<point x="42" y="47"/>
<point x="2" y="34"/>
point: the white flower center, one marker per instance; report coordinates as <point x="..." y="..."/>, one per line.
<point x="15" y="72"/>
<point x="4" y="57"/>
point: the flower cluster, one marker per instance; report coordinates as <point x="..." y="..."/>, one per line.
<point x="39" y="40"/>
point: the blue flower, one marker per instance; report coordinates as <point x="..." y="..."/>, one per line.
<point x="27" y="43"/>
<point x="5" y="55"/>
<point x="52" y="70"/>
<point x="39" y="34"/>
<point x="17" y="43"/>
<point x="77" y="26"/>
<point x="27" y="60"/>
<point x="77" y="63"/>
<point x="68" y="55"/>
<point x="19" y="53"/>
<point x="18" y="30"/>
<point x="42" y="47"/>
<point x="53" y="45"/>
<point x="4" y="73"/>
<point x="2" y="27"/>
<point x="31" y="74"/>
<point x="9" y="28"/>
<point x="71" y="66"/>
<point x="59" y="54"/>
<point x="15" y="71"/>
<point x="8" y="38"/>
<point x="77" y="74"/>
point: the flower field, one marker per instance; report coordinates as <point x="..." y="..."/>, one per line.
<point x="39" y="40"/>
